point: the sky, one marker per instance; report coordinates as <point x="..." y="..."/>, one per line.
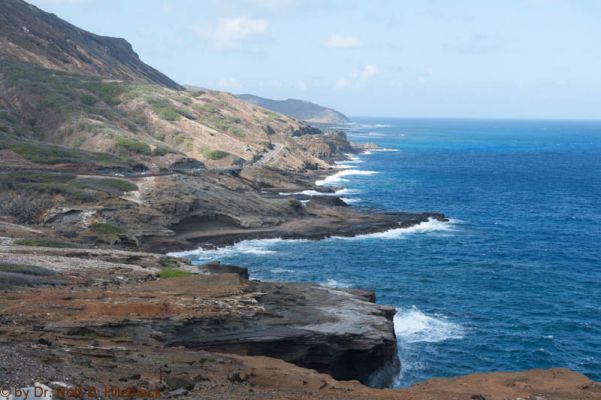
<point x="394" y="58"/>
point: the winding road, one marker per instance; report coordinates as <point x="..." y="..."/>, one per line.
<point x="270" y="155"/>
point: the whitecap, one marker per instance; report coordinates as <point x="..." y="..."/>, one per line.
<point x="257" y="247"/>
<point x="306" y="193"/>
<point x="339" y="176"/>
<point x="431" y="225"/>
<point x="413" y="326"/>
<point x="282" y="271"/>
<point x="348" y="200"/>
<point x="335" y="284"/>
<point x="338" y="192"/>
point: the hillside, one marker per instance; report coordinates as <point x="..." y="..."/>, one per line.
<point x="304" y="110"/>
<point x="31" y="35"/>
<point x="149" y="123"/>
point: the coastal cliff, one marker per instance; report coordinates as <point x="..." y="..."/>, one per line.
<point x="112" y="320"/>
<point x="106" y="165"/>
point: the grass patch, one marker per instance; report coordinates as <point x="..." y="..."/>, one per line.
<point x="43" y="183"/>
<point x="106" y="229"/>
<point x="45" y="243"/>
<point x="169" y="273"/>
<point x="162" y="151"/>
<point x="25" y="269"/>
<point x="18" y="178"/>
<point x="107" y="185"/>
<point x="215" y="154"/>
<point x="165" y="110"/>
<point x="109" y="92"/>
<point x="44" y="153"/>
<point x="133" y="145"/>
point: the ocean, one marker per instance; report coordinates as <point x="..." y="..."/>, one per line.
<point x="512" y="282"/>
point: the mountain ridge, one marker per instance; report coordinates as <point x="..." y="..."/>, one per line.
<point x="32" y="35"/>
<point x="296" y="108"/>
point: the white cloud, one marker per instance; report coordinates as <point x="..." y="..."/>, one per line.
<point x="424" y="77"/>
<point x="368" y="71"/>
<point x="364" y="74"/>
<point x="231" y="33"/>
<point x="342" y="42"/>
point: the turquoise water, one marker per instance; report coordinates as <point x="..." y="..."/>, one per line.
<point x="512" y="282"/>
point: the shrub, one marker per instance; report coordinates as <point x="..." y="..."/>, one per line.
<point x="45" y="243"/>
<point x="166" y="113"/>
<point x="215" y="154"/>
<point x="134" y="146"/>
<point x="106" y="229"/>
<point x="44" y="153"/>
<point x="168" y="273"/>
<point x="25" y="269"/>
<point x="15" y="179"/>
<point x="161" y="151"/>
<point x="109" y="92"/>
<point x="24" y="207"/>
<point x="108" y="185"/>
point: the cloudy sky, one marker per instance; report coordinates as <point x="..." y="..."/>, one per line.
<point x="413" y="58"/>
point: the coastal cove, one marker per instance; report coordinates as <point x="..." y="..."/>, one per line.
<point x="522" y="232"/>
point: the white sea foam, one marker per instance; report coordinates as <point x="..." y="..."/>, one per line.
<point x="348" y="200"/>
<point x="335" y="284"/>
<point x="339" y="192"/>
<point x="264" y="247"/>
<point x="413" y="326"/>
<point x="352" y="158"/>
<point x="429" y="226"/>
<point x="257" y="247"/>
<point x="339" y="176"/>
<point x="282" y="271"/>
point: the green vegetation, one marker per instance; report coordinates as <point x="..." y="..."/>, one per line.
<point x="168" y="273"/>
<point x="133" y="145"/>
<point x="25" y="269"/>
<point x="64" y="184"/>
<point x="5" y="116"/>
<point x="42" y="183"/>
<point x="215" y="154"/>
<point x="44" y="153"/>
<point x="167" y="111"/>
<point x="220" y="122"/>
<point x="106" y="229"/>
<point x="107" y="233"/>
<point x="162" y="151"/>
<point x="109" y="92"/>
<point x="107" y="185"/>
<point x="45" y="243"/>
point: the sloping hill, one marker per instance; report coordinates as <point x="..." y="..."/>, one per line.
<point x="300" y="109"/>
<point x="64" y="86"/>
<point x="148" y="123"/>
<point x="31" y="35"/>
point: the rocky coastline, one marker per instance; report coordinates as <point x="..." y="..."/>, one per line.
<point x="106" y="166"/>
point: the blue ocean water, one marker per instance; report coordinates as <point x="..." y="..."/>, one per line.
<point x="512" y="282"/>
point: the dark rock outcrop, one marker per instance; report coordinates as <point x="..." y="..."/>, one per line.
<point x="31" y="35"/>
<point x="330" y="330"/>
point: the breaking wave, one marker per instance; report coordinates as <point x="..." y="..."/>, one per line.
<point x="257" y="247"/>
<point x="431" y="225"/>
<point x="413" y="326"/>
<point x="339" y="176"/>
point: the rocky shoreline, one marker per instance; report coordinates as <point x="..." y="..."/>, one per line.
<point x="96" y="318"/>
